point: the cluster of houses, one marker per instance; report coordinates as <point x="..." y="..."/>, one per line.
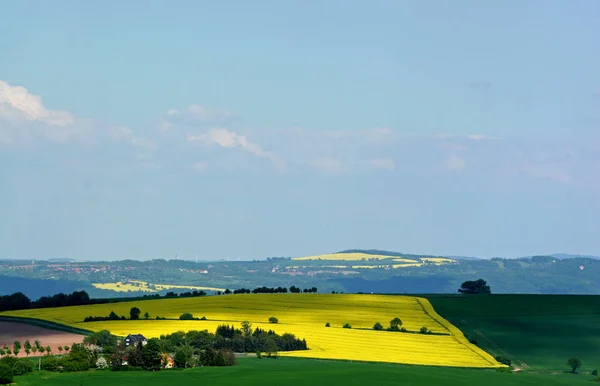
<point x="134" y="339"/>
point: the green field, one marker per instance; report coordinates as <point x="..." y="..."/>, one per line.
<point x="538" y="332"/>
<point x="293" y="371"/>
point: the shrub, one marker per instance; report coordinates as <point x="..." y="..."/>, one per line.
<point x="212" y="357"/>
<point x="327" y="324"/>
<point x="378" y="326"/>
<point x="347" y="325"/>
<point x="595" y="372"/>
<point x="473" y="341"/>
<point x="424" y="330"/>
<point x="22" y="366"/>
<point x="203" y="318"/>
<point x="504" y="370"/>
<point x="50" y="363"/>
<point x="101" y="363"/>
<point x="186" y="316"/>
<point x="6" y="375"/>
<point x="273" y="320"/>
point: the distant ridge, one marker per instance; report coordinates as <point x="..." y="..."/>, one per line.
<point x="563" y="256"/>
<point x="399" y="254"/>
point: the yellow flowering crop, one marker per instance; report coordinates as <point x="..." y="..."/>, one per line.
<point x="136" y="285"/>
<point x="304" y="315"/>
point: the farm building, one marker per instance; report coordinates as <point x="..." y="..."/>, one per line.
<point x="133" y="339"/>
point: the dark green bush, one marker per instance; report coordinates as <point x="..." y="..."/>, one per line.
<point x="273" y="320"/>
<point x="504" y="360"/>
<point x="327" y="324"/>
<point x="6" y="375"/>
<point x="22" y="366"/>
<point x="378" y="326"/>
<point x="595" y="372"/>
<point x="347" y="325"/>
<point x="50" y="363"/>
<point x="186" y="316"/>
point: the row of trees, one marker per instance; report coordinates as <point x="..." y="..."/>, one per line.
<point x="134" y="314"/>
<point x="18" y="300"/>
<point x="28" y="348"/>
<point x="270" y="290"/>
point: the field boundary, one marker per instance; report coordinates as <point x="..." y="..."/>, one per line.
<point x="45" y="324"/>
<point x="456" y="332"/>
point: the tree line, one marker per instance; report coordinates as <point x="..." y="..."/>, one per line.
<point x="19" y="301"/>
<point x="271" y="290"/>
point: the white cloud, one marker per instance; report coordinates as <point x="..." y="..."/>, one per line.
<point x="230" y="139"/>
<point x="24" y="119"/>
<point x="476" y="137"/>
<point x="454" y="164"/>
<point x="16" y="103"/>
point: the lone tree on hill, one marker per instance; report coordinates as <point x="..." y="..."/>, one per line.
<point x="574" y="363"/>
<point x="478" y="286"/>
<point x="134" y="313"/>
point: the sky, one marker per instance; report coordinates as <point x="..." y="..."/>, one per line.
<point x="243" y="130"/>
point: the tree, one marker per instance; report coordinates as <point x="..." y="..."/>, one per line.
<point x="273" y="320"/>
<point x="146" y="315"/>
<point x="134" y="313"/>
<point x="60" y="349"/>
<point x="67" y="348"/>
<point x="37" y="344"/>
<point x="152" y="355"/>
<point x="101" y="363"/>
<point x="42" y="350"/>
<point x="16" y="347"/>
<point x="49" y="349"/>
<point x="574" y="363"/>
<point x="6" y="375"/>
<point x="183" y="357"/>
<point x="186" y="316"/>
<point x="478" y="286"/>
<point x="395" y="323"/>
<point x="27" y="346"/>
<point x="378" y="326"/>
<point x="27" y="351"/>
<point x="246" y="328"/>
<point x="2" y="352"/>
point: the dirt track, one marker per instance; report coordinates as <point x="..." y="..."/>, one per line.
<point x="10" y="332"/>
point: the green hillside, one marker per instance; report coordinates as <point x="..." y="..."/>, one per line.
<point x="538" y="332"/>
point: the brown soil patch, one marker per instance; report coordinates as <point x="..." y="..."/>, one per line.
<point x="10" y="332"/>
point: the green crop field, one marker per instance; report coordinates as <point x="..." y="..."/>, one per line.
<point x="292" y="371"/>
<point x="538" y="332"/>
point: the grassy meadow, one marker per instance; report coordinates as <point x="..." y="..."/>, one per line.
<point x="292" y="371"/>
<point x="538" y="332"/>
<point x="304" y="315"/>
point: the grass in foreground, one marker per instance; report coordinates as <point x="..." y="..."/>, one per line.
<point x="538" y="332"/>
<point x="291" y="372"/>
<point x="304" y="315"/>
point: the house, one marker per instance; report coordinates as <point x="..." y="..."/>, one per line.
<point x="133" y="339"/>
<point x="167" y="361"/>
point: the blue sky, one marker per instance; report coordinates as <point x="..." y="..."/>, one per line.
<point x="235" y="129"/>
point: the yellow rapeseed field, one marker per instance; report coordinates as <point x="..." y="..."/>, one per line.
<point x="136" y="285"/>
<point x="353" y="257"/>
<point x="304" y="315"/>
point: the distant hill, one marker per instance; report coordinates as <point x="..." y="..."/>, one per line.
<point x="565" y="256"/>
<point x="406" y="255"/>
<point x="463" y="257"/>
<point x="36" y="288"/>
